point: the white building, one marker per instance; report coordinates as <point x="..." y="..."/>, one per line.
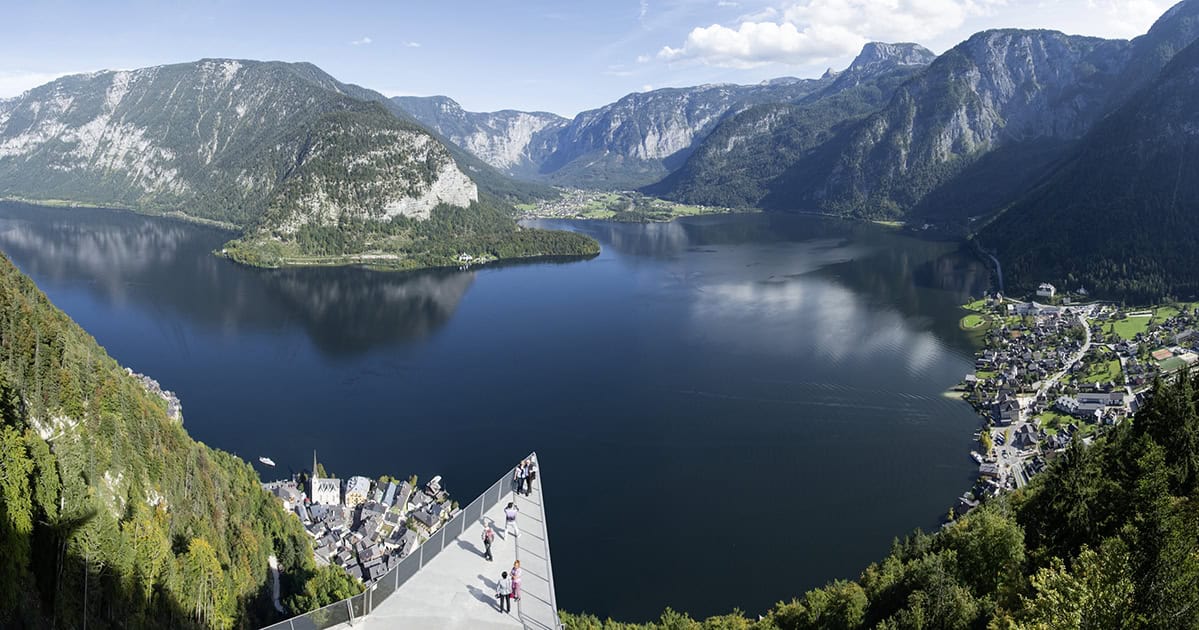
<point x="1046" y="290"/>
<point x="325" y="491"/>
<point x="357" y="490"/>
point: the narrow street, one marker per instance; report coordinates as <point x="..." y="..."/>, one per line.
<point x="1086" y="346"/>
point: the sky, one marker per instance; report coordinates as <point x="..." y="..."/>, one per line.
<point x="562" y="57"/>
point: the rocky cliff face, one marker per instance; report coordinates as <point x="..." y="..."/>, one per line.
<point x="631" y="142"/>
<point x="878" y="58"/>
<point x="997" y="88"/>
<point x="1119" y="217"/>
<point x="359" y="166"/>
<point x="512" y="141"/>
<point x="222" y="139"/>
<point x="737" y="164"/>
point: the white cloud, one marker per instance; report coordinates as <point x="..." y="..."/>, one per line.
<point x="13" y="83"/>
<point x="361" y="42"/>
<point x="1128" y="18"/>
<point x="412" y="44"/>
<point x="818" y="30"/>
<point x="648" y="87"/>
<point x="727" y="3"/>
<point x="757" y="43"/>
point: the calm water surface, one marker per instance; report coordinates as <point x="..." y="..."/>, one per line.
<point x="729" y="410"/>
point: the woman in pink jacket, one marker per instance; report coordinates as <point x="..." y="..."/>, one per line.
<point x="515" y="574"/>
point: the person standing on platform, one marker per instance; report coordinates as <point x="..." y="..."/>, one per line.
<point x="488" y="537"/>
<point x="510" y="520"/>
<point x="515" y="573"/>
<point x="519" y="476"/>
<point x="503" y="591"/>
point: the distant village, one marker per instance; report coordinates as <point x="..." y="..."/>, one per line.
<point x="1052" y="371"/>
<point x="361" y="525"/>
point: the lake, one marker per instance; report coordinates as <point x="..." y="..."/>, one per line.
<point x="729" y="410"/>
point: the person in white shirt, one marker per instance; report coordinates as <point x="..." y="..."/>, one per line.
<point x="503" y="591"/>
<point x="510" y="520"/>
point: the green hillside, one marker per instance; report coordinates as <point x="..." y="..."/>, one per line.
<point x="1119" y="217"/>
<point x="109" y="512"/>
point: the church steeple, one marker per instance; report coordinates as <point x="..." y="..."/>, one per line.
<point x="314" y="462"/>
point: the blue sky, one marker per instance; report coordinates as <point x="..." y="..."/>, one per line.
<point x="562" y="57"/>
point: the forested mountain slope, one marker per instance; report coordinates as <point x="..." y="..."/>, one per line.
<point x="1121" y="217"/>
<point x="218" y="139"/>
<point x="997" y="89"/>
<point x="738" y="164"/>
<point x="109" y="511"/>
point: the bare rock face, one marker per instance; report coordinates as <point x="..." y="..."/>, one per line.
<point x="514" y="142"/>
<point x="998" y="88"/>
<point x="629" y="143"/>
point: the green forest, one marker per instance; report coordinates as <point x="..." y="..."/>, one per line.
<point x="485" y="231"/>
<point x="110" y="512"/>
<point x="1107" y="537"/>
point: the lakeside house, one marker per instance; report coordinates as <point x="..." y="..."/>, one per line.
<point x="357" y="490"/>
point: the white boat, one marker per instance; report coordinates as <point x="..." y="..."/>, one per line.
<point x="266" y="460"/>
<point x="978" y="459"/>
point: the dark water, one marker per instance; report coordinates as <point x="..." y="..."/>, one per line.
<point x="728" y="410"/>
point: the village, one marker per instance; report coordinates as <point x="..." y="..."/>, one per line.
<point x="362" y="525"/>
<point x="626" y="205"/>
<point x="1052" y="370"/>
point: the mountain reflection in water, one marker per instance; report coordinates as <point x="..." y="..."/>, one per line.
<point x="167" y="266"/>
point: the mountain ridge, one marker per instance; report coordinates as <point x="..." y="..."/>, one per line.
<point x="311" y="170"/>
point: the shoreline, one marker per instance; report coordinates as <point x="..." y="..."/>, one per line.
<point x="177" y="215"/>
<point x="372" y="262"/>
<point x="1049" y="374"/>
<point x="376" y="261"/>
<point x="535" y="216"/>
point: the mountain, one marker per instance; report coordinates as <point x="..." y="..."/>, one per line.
<point x="632" y="142"/>
<point x="1173" y="31"/>
<point x="1119" y="217"/>
<point x="738" y="163"/>
<point x="283" y="152"/>
<point x="225" y="139"/>
<point x="512" y="141"/>
<point x="998" y="89"/>
<point x="111" y="516"/>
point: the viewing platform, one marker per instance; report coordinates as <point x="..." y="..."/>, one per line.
<point x="447" y="583"/>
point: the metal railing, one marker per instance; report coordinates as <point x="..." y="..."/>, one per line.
<point x="349" y="610"/>
<point x="549" y="567"/>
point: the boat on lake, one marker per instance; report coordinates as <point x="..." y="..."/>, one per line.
<point x="266" y="460"/>
<point x="978" y="459"/>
